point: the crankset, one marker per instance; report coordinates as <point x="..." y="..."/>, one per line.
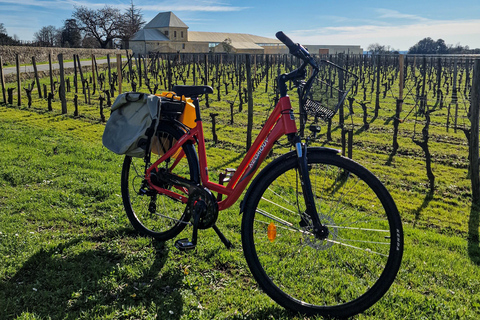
<point x="208" y="214"/>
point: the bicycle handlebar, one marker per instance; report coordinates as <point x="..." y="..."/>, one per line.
<point x="300" y="52"/>
<point x="286" y="40"/>
<point x="296" y="49"/>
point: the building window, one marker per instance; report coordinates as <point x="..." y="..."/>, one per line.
<point x="183" y="46"/>
<point x="166" y="33"/>
<point x="174" y="34"/>
<point x="181" y="34"/>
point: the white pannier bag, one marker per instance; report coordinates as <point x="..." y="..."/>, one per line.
<point x="133" y="121"/>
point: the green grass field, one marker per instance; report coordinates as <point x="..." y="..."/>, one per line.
<point x="67" y="250"/>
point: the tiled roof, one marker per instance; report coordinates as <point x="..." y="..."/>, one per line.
<point x="198" y="36"/>
<point x="165" y="19"/>
<point x="149" y="35"/>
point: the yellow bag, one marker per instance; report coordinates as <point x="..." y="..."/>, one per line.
<point x="188" y="115"/>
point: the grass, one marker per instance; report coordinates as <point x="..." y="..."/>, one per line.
<point x="67" y="250"/>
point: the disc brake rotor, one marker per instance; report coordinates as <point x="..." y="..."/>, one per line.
<point x="321" y="244"/>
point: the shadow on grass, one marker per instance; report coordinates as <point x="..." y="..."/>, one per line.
<point x="71" y="280"/>
<point x="473" y="237"/>
<point x="390" y="157"/>
<point x="229" y="162"/>
<point x="418" y="211"/>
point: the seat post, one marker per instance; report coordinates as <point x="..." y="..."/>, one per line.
<point x="197" y="108"/>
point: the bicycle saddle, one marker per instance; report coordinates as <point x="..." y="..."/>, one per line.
<point x="192" y="91"/>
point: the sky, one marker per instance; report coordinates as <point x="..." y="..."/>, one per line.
<point x="397" y="25"/>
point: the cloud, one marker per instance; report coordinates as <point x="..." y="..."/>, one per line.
<point x="189" y="5"/>
<point x="393" y="14"/>
<point x="196" y="8"/>
<point x="403" y="37"/>
<point x="179" y="5"/>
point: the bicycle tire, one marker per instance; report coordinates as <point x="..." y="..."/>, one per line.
<point x="142" y="208"/>
<point x="353" y="267"/>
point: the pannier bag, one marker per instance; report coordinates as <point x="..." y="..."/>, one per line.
<point x="134" y="119"/>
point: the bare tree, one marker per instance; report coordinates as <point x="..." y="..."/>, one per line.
<point x="131" y="22"/>
<point x="376" y="48"/>
<point x="3" y="30"/>
<point x="102" y="24"/>
<point x="47" y="36"/>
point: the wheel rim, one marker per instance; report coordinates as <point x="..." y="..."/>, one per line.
<point x="152" y="213"/>
<point x="324" y="273"/>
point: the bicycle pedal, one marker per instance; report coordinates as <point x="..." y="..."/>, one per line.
<point x="184" y="244"/>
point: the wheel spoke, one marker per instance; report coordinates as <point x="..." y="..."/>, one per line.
<point x="151" y="213"/>
<point x="322" y="270"/>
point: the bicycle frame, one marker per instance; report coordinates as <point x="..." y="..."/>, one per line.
<point x="280" y="122"/>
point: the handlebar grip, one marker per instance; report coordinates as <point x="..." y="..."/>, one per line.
<point x="286" y="40"/>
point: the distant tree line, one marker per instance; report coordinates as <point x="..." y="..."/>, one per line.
<point x="424" y="46"/>
<point x="107" y="27"/>
<point x="430" y="46"/>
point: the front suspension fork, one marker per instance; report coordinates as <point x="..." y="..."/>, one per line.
<point x="319" y="229"/>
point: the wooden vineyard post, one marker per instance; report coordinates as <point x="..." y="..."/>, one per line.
<point x="75" y="73"/>
<point x="109" y="70"/>
<point x="401" y="84"/>
<point x="454" y="92"/>
<point x="423" y="97"/>
<point x="61" y="89"/>
<point x="93" y="73"/>
<point x="377" y="97"/>
<point x="350" y="143"/>
<point x="19" y="85"/>
<point x="169" y="74"/>
<point x="138" y="62"/>
<point x="347" y="142"/>
<point x="75" y="103"/>
<point x="341" y="86"/>
<point x="250" y="102"/>
<point x="36" y="78"/>
<point x="195" y="58"/>
<point x="267" y="67"/>
<point x="119" y="72"/>
<point x="145" y="70"/>
<point x="207" y="103"/>
<point x="2" y="80"/>
<point x="84" y="90"/>
<point x="474" y="139"/>
<point x="396" y="120"/>
<point x="50" y="69"/>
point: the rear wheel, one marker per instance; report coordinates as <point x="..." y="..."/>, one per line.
<point x="341" y="274"/>
<point x="150" y="213"/>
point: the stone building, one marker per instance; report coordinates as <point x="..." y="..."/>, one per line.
<point x="167" y="33"/>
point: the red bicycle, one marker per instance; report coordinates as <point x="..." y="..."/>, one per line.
<point x="320" y="233"/>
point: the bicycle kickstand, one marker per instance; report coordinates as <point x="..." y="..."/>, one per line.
<point x="225" y="241"/>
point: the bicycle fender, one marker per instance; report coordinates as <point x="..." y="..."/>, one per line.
<point x="274" y="163"/>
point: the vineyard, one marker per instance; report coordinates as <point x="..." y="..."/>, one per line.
<point x="407" y="119"/>
<point x="411" y="101"/>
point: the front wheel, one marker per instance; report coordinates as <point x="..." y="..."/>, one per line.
<point x="341" y="274"/>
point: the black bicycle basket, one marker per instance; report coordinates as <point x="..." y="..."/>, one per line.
<point x="328" y="90"/>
